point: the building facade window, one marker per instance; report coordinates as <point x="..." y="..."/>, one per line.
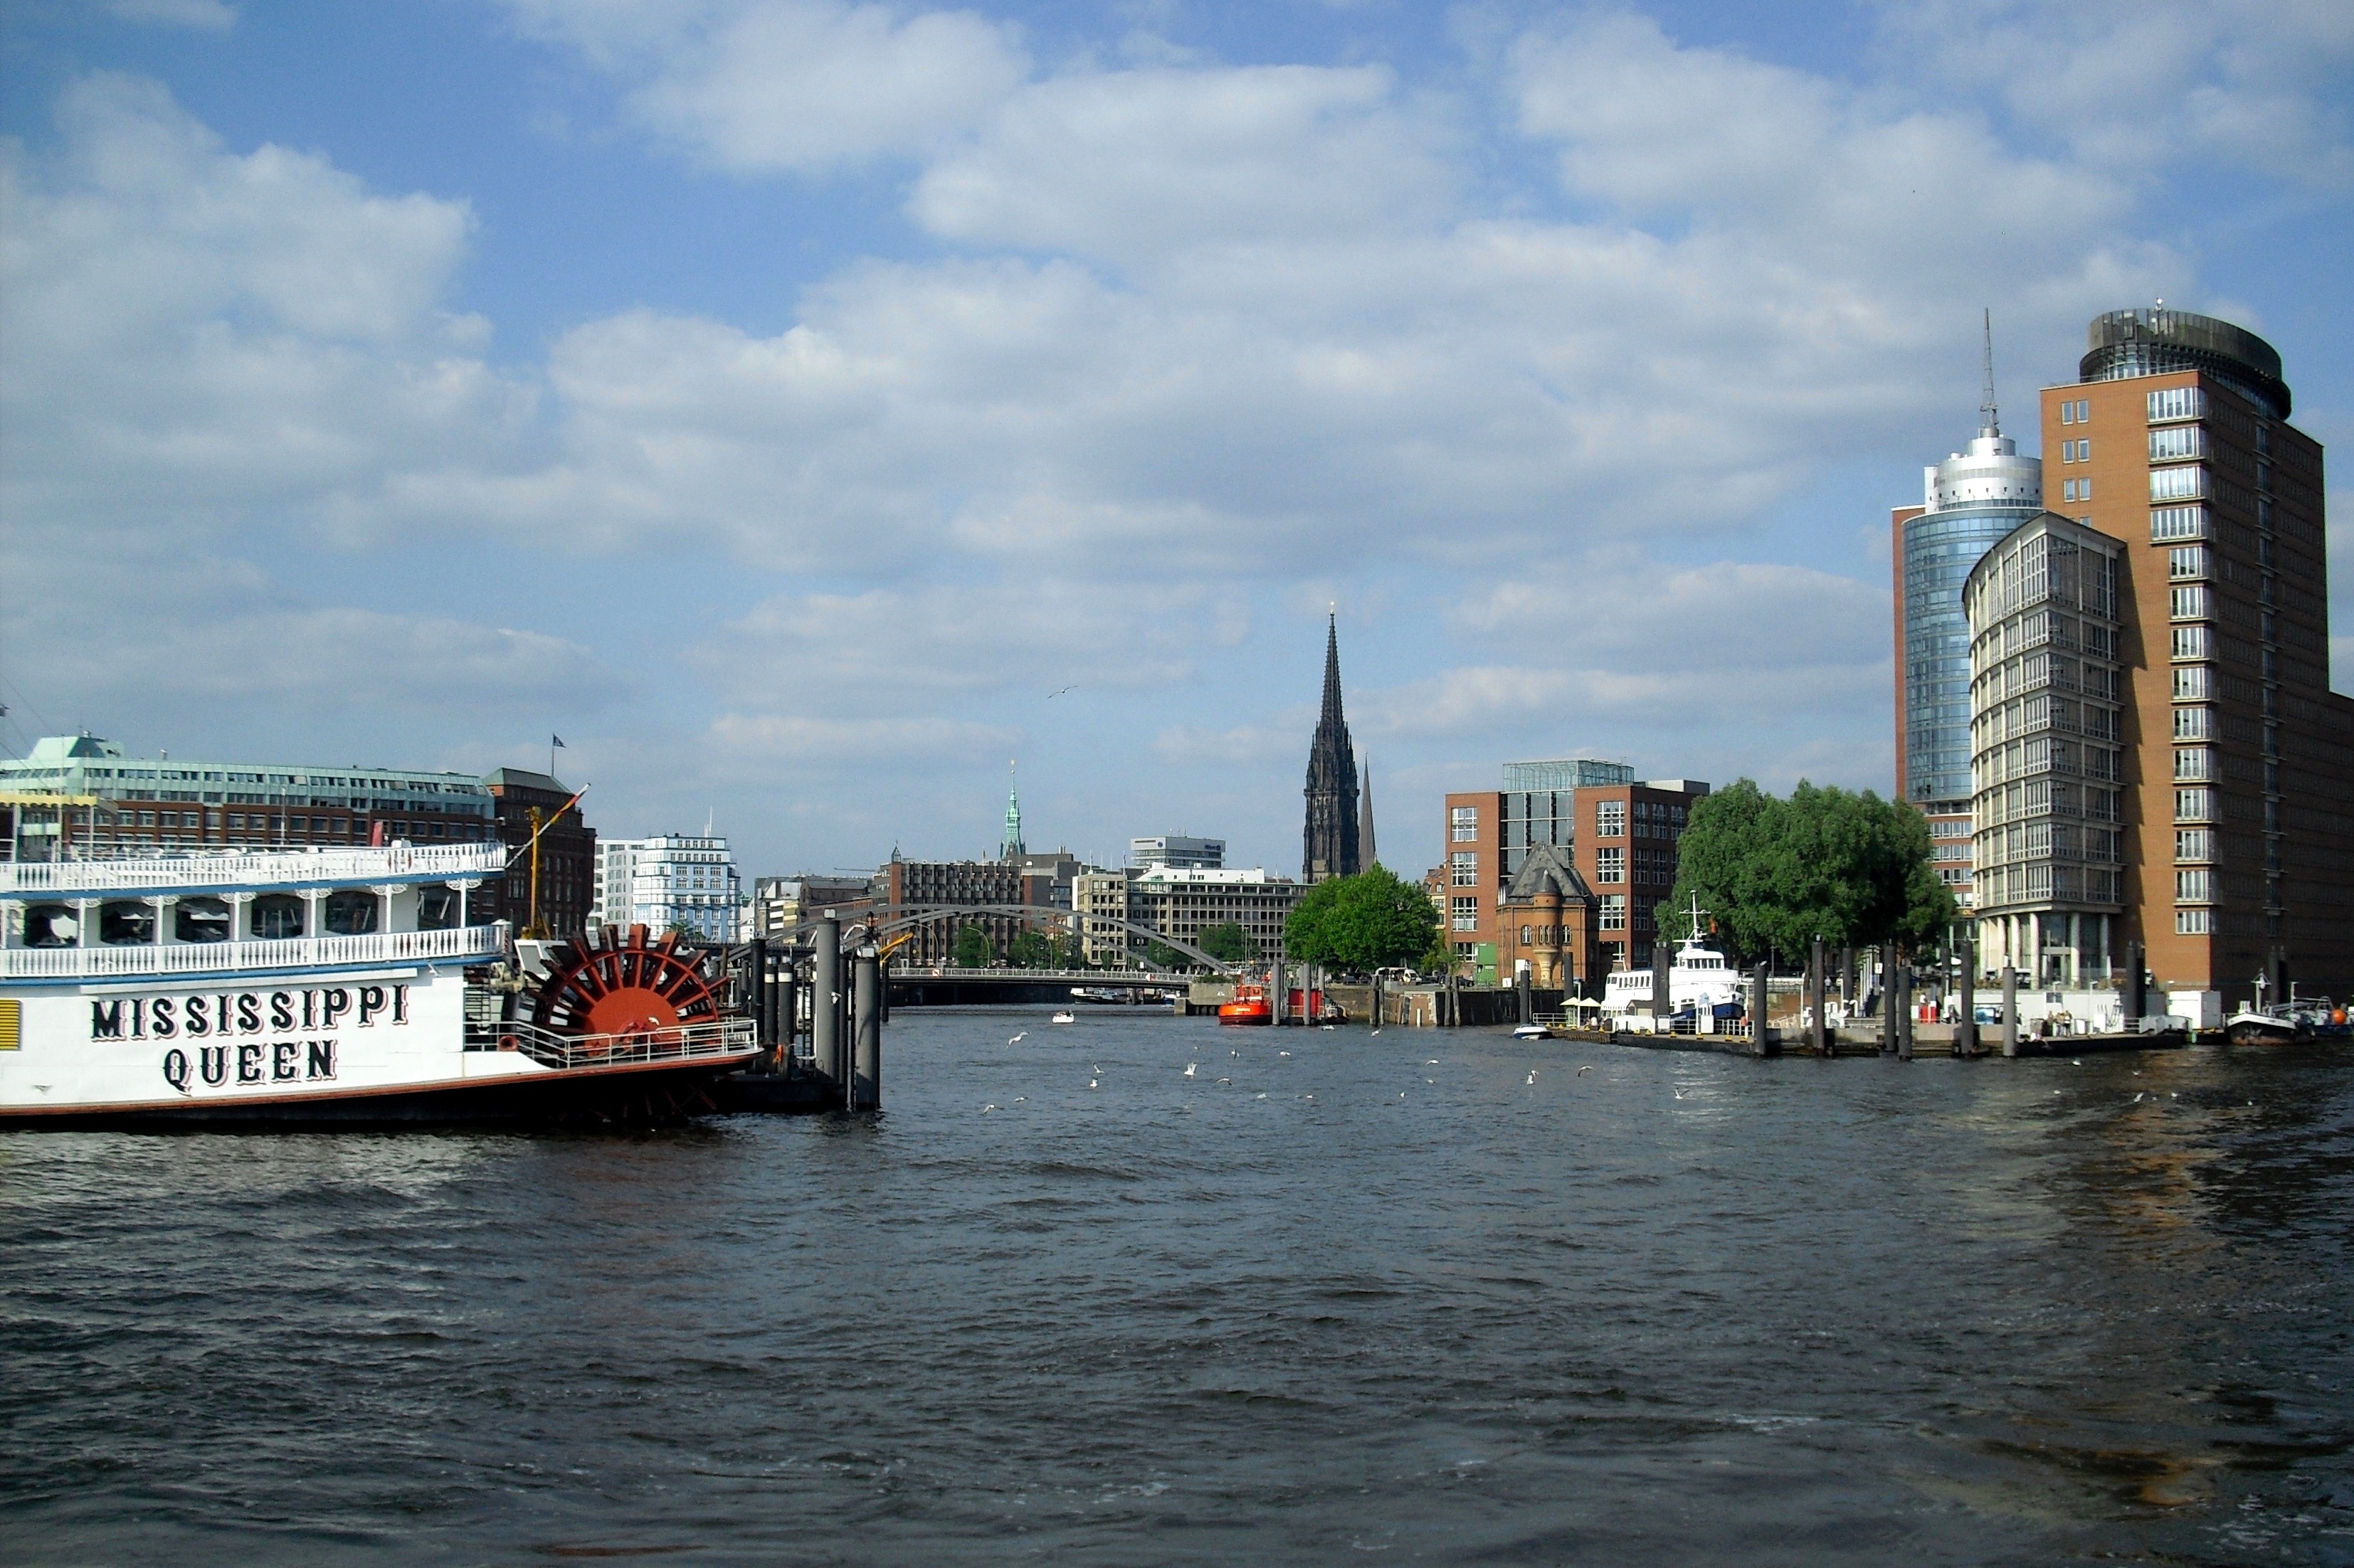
<point x="2178" y="403"/>
<point x="2193" y="763"/>
<point x="1463" y="824"/>
<point x="1463" y="869"/>
<point x="2194" y="643"/>
<point x="2194" y="601"/>
<point x="2194" y="723"/>
<point x="1609" y="819"/>
<point x="2192" y="886"/>
<point x="2194" y="845"/>
<point x="2193" y="922"/>
<point x="2187" y="483"/>
<point x="1463" y="914"/>
<point x="2194" y="805"/>
<point x="2189" y="563"/>
<point x="1610" y="864"/>
<point x="2194" y="683"/>
<point x="1614" y="912"/>
<point x="2176" y="523"/>
<point x="2176" y="442"/>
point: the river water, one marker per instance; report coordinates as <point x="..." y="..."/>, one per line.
<point x="1334" y="1293"/>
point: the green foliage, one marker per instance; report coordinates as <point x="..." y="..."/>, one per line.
<point x="1227" y="940"/>
<point x="1361" y="923"/>
<point x="1161" y="955"/>
<point x="973" y="948"/>
<point x="1774" y="875"/>
<point x="1031" y="950"/>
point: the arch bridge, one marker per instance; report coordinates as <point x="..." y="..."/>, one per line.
<point x="908" y="916"/>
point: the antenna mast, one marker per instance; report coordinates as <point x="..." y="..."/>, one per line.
<point x="1992" y="426"/>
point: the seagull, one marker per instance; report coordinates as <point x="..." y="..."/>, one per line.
<point x="1430" y="1080"/>
<point x="1532" y="1077"/>
<point x="1283" y="1052"/>
<point x="1097" y="1068"/>
<point x="985" y="1109"/>
<point x="1377" y="1032"/>
<point x="1679" y="1093"/>
<point x="1019" y="1038"/>
<point x="1190" y="1066"/>
<point x="1019" y="1098"/>
<point x="1093" y="1084"/>
<point x="2077" y="1063"/>
<point x="1262" y="1097"/>
<point x="1225" y="1080"/>
<point x="1431" y="1062"/>
<point x="1586" y="1070"/>
<point x="1401" y="1094"/>
<point x="1052" y="695"/>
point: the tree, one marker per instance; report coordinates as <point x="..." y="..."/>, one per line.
<point x="1360" y="923"/>
<point x="1161" y="955"/>
<point x="1227" y="940"/>
<point x="1031" y="950"/>
<point x="1775" y="875"/>
<point x="973" y="948"/>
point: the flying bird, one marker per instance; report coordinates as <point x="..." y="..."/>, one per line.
<point x="1533" y="1076"/>
<point x="1585" y="1069"/>
<point x="1019" y="1038"/>
<point x="1052" y="695"/>
<point x="1190" y="1066"/>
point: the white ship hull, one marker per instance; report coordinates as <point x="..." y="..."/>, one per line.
<point x="383" y="1046"/>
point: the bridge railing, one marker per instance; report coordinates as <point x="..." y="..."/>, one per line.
<point x="1072" y="976"/>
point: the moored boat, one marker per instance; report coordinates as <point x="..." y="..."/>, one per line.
<point x="1250" y="1005"/>
<point x="347" y="985"/>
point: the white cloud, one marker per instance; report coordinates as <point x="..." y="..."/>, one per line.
<point x="800" y="85"/>
<point x="205" y="15"/>
<point x="805" y="741"/>
<point x="2139" y="85"/>
<point x="1725" y="616"/>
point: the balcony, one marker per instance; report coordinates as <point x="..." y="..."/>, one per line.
<point x="166" y="873"/>
<point x="464" y="943"/>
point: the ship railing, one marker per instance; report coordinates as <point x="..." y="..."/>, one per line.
<point x="135" y="960"/>
<point x="706" y="1040"/>
<point x="232" y="868"/>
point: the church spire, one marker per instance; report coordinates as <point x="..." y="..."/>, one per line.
<point x="1330" y="838"/>
<point x="1012" y="849"/>
<point x="1366" y="855"/>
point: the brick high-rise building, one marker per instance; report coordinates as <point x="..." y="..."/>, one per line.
<point x="567" y="854"/>
<point x="2236" y="797"/>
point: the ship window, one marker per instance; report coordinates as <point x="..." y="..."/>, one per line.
<point x="277" y="917"/>
<point x="51" y="926"/>
<point x="146" y="818"/>
<point x="126" y="921"/>
<point x="351" y="913"/>
<point x="437" y="908"/>
<point x="201" y="920"/>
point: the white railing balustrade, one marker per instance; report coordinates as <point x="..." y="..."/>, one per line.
<point x="64" y="878"/>
<point x="680" y="1043"/>
<point x="464" y="943"/>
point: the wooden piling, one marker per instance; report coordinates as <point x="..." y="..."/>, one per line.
<point x="2009" y="1010"/>
<point x="1818" y="1026"/>
<point x="1966" y="1027"/>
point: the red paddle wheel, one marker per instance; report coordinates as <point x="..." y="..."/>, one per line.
<point x="632" y="989"/>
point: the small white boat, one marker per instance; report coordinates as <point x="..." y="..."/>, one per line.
<point x="1065" y="1018"/>
<point x="1531" y="1031"/>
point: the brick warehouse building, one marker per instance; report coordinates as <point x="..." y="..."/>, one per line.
<point x="1618" y="835"/>
<point x="568" y="852"/>
<point x="2234" y="800"/>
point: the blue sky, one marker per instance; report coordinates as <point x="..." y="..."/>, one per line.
<point x="781" y="399"/>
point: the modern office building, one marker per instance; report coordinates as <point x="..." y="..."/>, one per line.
<point x="2237" y="796"/>
<point x="1968" y="502"/>
<point x="2045" y="627"/>
<point x="1099" y="901"/>
<point x="684" y="881"/>
<point x="1176" y="849"/>
<point x="566" y="892"/>
<point x="78" y="794"/>
<point x="1619" y="834"/>
<point x="1331" y="844"/>
<point x="1181" y="904"/>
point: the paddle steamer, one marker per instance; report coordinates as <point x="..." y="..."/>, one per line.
<point x="334" y="985"/>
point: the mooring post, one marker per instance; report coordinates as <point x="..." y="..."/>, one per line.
<point x="754" y="998"/>
<point x="2009" y="1010"/>
<point x="1966" y="1031"/>
<point x="1847" y="978"/>
<point x="1278" y="992"/>
<point x="825" y="1000"/>
<point x="1662" y="999"/>
<point x="866" y="1031"/>
<point x="1900" y="996"/>
<point x="1818" y="1036"/>
<point x="1760" y="993"/>
<point x="788" y="1003"/>
<point x="1454" y="999"/>
<point x="1527" y="999"/>
<point x="2137" y="997"/>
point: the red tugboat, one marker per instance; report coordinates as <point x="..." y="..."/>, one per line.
<point x="1250" y="1005"/>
